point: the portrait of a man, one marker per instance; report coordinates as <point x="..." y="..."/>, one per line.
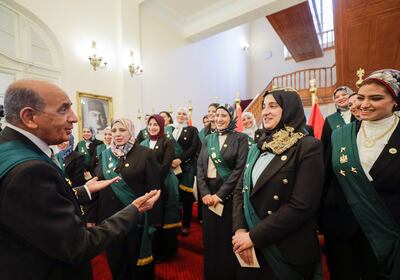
<point x="95" y="111"/>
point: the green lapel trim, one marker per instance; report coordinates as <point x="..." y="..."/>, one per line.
<point x="16" y="152"/>
<point x="84" y="151"/>
<point x="378" y="224"/>
<point x="335" y="121"/>
<point x="215" y="154"/>
<point x="275" y="259"/>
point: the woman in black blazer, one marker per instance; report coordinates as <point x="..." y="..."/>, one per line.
<point x="71" y="162"/>
<point x="220" y="165"/>
<point x="130" y="257"/>
<point x="275" y="203"/>
<point x="364" y="163"/>
<point x="187" y="138"/>
<point x="165" y="243"/>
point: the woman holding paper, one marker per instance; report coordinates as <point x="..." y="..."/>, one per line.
<point x="165" y="243"/>
<point x="187" y="141"/>
<point x="276" y="201"/>
<point x="219" y="168"/>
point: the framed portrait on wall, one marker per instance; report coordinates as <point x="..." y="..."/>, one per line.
<point x="95" y="111"/>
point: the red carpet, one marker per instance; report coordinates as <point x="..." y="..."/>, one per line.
<point x="187" y="264"/>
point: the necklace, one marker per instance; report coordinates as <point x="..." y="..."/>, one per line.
<point x="370" y="142"/>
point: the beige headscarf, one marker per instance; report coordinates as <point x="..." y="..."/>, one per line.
<point x="123" y="150"/>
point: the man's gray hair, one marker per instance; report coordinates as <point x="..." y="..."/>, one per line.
<point x="17" y="98"/>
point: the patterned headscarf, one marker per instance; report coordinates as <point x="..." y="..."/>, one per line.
<point x="160" y="121"/>
<point x="93" y="131"/>
<point x="346" y="90"/>
<point x="123" y="150"/>
<point x="233" y="118"/>
<point x="390" y="79"/>
<point x="69" y="149"/>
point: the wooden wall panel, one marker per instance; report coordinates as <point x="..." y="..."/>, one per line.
<point x="367" y="34"/>
<point x="296" y="29"/>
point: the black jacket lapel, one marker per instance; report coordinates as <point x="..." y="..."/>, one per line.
<point x="390" y="152"/>
<point x="273" y="167"/>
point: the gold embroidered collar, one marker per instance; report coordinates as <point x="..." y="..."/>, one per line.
<point x="282" y="140"/>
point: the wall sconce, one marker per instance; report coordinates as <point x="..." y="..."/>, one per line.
<point x="96" y="61"/>
<point x="133" y="68"/>
<point x="244" y="45"/>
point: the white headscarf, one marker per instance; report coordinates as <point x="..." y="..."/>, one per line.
<point x="179" y="126"/>
<point x="250" y="131"/>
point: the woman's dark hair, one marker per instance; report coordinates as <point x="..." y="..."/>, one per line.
<point x="214" y="105"/>
<point x="171" y="120"/>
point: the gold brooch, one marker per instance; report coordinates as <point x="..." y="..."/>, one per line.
<point x="342" y="149"/>
<point x="342" y="172"/>
<point x="393" y="151"/>
<point x="343" y="159"/>
<point x="283" y="140"/>
<point x="214" y="155"/>
<point x="354" y="170"/>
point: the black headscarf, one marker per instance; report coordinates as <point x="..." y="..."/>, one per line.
<point x="292" y="113"/>
<point x="233" y="119"/>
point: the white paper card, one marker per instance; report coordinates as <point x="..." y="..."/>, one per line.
<point x="217" y="208"/>
<point x="177" y="170"/>
<point x="255" y="261"/>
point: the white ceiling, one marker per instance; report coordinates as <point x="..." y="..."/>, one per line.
<point x="189" y="8"/>
<point x="202" y="18"/>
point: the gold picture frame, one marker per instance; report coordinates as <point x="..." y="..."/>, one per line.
<point x="94" y="111"/>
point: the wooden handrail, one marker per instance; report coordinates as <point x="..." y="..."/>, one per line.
<point x="300" y="81"/>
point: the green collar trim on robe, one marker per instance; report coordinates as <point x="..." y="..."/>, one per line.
<point x="171" y="201"/>
<point x="377" y="223"/>
<point x="202" y="135"/>
<point x="84" y="151"/>
<point x="178" y="150"/>
<point x="61" y="162"/>
<point x="125" y="194"/>
<point x="274" y="258"/>
<point x="215" y="154"/>
<point x="16" y="152"/>
<point x="145" y="133"/>
<point x="335" y="121"/>
<point x="99" y="149"/>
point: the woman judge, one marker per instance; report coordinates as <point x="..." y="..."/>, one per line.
<point x="185" y="160"/>
<point x="107" y="138"/>
<point x="220" y="165"/>
<point x="130" y="257"/>
<point x="211" y="127"/>
<point x="249" y="125"/>
<point x="165" y="243"/>
<point x="365" y="163"/>
<point x="87" y="147"/>
<point x="276" y="202"/>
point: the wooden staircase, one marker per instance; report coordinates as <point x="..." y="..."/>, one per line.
<point x="325" y="78"/>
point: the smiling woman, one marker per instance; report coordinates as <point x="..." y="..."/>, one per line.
<point x="363" y="197"/>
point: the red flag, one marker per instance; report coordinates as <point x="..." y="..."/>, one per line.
<point x="316" y="120"/>
<point x="239" y="123"/>
<point x="190" y="122"/>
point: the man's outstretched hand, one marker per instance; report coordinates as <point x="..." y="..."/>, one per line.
<point x="146" y="201"/>
<point x="94" y="185"/>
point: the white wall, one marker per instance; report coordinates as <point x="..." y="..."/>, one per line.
<point x="114" y="25"/>
<point x="263" y="38"/>
<point x="176" y="71"/>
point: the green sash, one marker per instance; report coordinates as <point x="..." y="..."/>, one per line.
<point x="13" y="153"/>
<point x="214" y="152"/>
<point x="125" y="194"/>
<point x="99" y="149"/>
<point x="171" y="203"/>
<point x="188" y="168"/>
<point x="377" y="223"/>
<point x="275" y="259"/>
<point x="145" y="133"/>
<point x="202" y="135"/>
<point x="84" y="151"/>
<point x="250" y="141"/>
<point x="335" y="121"/>
<point x="61" y="163"/>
